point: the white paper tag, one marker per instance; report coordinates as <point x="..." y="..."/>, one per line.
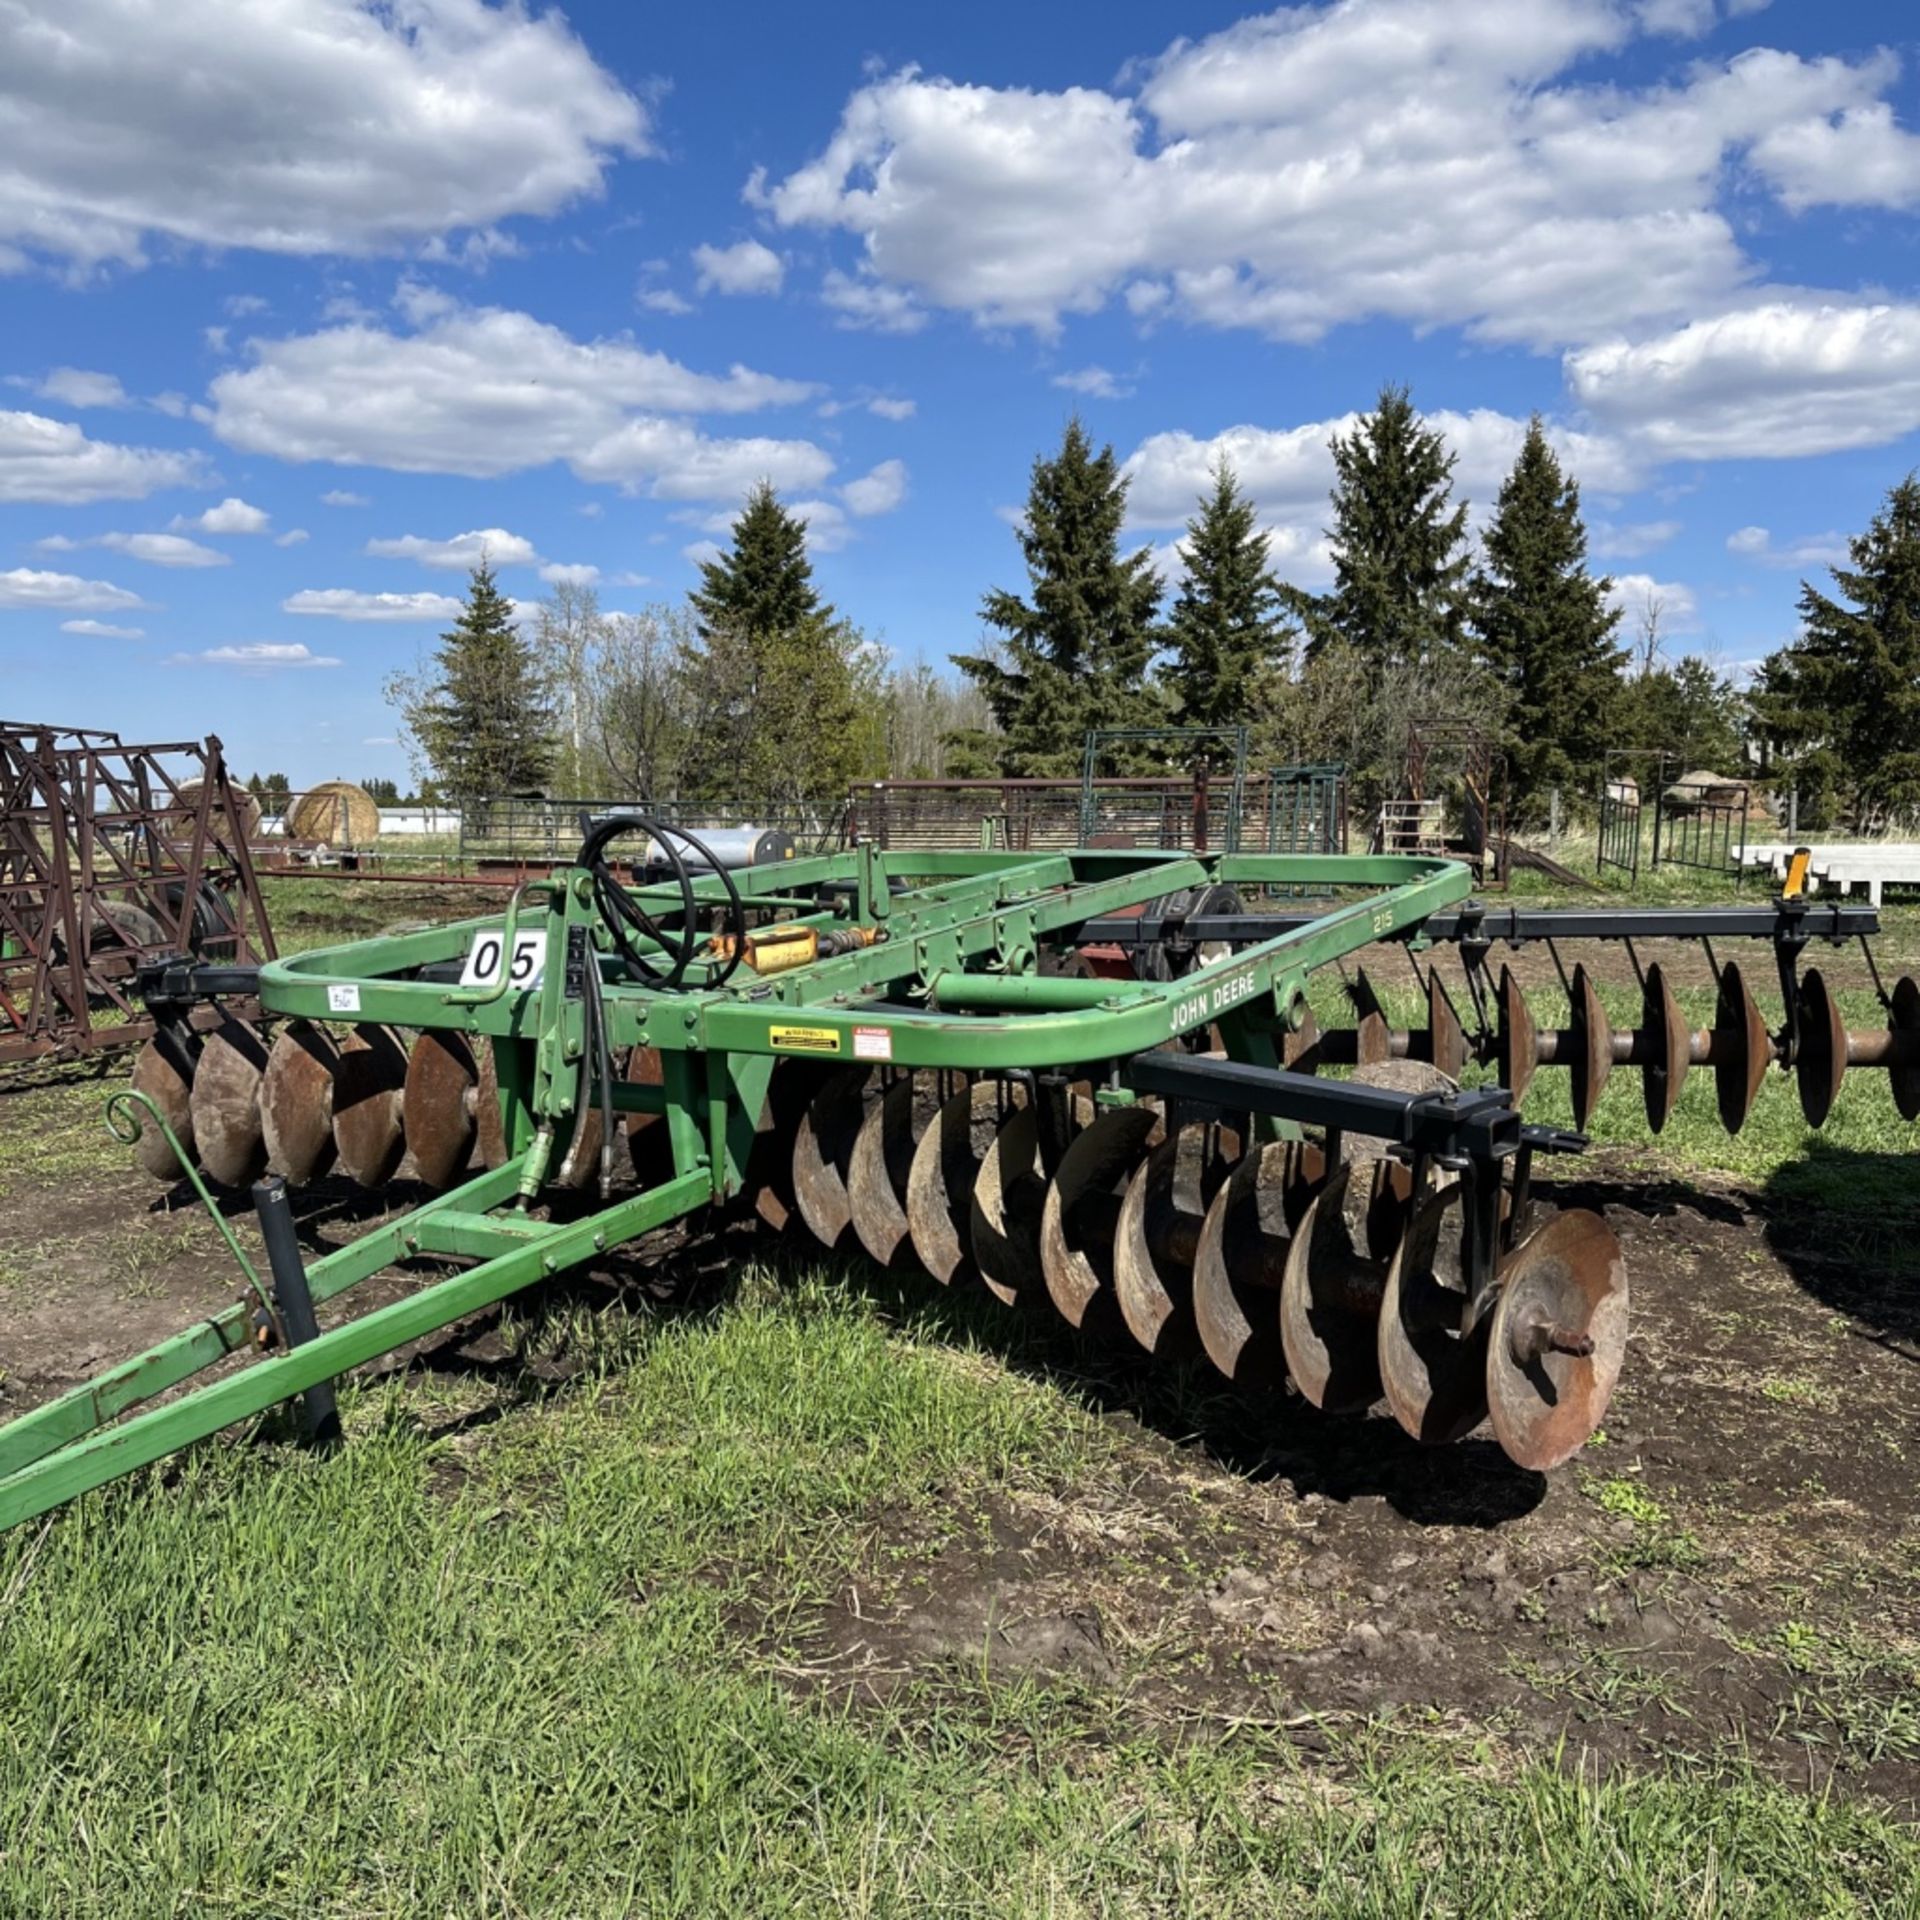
<point x="343" y="998"/>
<point x="873" y="1043"/>
<point x="482" y="967"/>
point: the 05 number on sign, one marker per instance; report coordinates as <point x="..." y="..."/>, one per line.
<point x="529" y="961"/>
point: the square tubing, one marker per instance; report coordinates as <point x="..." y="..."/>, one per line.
<point x="295" y="1299"/>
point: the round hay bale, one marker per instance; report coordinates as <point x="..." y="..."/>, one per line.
<point x="1703" y="788"/>
<point x="335" y="811"/>
<point x="177" y="821"/>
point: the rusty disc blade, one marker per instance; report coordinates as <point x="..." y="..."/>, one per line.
<point x="882" y="1160"/>
<point x="1300" y="1051"/>
<point x="649" y="1142"/>
<point x="1372" y="1040"/>
<point x="1742" y="1049"/>
<point x="1432" y="1339"/>
<point x="946" y="1168"/>
<point x="1820" y="1053"/>
<point x="226" y="1104"/>
<point x="1592" y="1047"/>
<point x="157" y="1073"/>
<point x="438" y="1105"/>
<point x="1082" y="1214"/>
<point x="1558" y="1337"/>
<point x="579" y="1166"/>
<point x="1516" y="1050"/>
<point x="1009" y="1198"/>
<point x="822" y="1149"/>
<point x="1903" y="1016"/>
<point x="1446" y="1039"/>
<point x="296" y="1101"/>
<point x="489" y="1121"/>
<point x="1665" y="1073"/>
<point x="767" y="1180"/>
<point x="1159" y="1235"/>
<point x="1242" y="1255"/>
<point x="368" y="1087"/>
<point x="1330" y="1297"/>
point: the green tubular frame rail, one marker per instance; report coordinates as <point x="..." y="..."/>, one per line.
<point x="950" y="978"/>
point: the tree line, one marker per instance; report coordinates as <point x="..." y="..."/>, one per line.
<point x="755" y="691"/>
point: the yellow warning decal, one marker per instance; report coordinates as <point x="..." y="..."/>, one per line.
<point x="807" y="1039"/>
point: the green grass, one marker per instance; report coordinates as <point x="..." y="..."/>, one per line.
<point x="533" y="1665"/>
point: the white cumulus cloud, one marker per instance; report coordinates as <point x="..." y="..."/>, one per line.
<point x="462" y="553"/>
<point x="1775" y="380"/>
<point x="26" y="587"/>
<point x="53" y="461"/>
<point x="265" y="656"/>
<point x="748" y="267"/>
<point x="102" y="630"/>
<point x="77" y="387"/>
<point x="486" y="391"/>
<point x="232" y="515"/>
<point x="1420" y="161"/>
<point x="1804" y="555"/>
<point x="345" y="603"/>
<point x="294" y="126"/>
<point x="156" y="549"/>
<point x="879" y="491"/>
<point x="575" y="573"/>
<point x="340" y="497"/>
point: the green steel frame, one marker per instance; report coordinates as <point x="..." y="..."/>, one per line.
<point x="952" y="981"/>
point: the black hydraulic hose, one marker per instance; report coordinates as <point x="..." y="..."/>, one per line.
<point x="621" y="913"/>
<point x="623" y="916"/>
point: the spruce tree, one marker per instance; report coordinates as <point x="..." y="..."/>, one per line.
<point x="1543" y="626"/>
<point x="763" y="583"/>
<point x="1399" y="554"/>
<point x="1076" y="654"/>
<point x="786" y="697"/>
<point x="1225" y="632"/>
<point x="1842" y="702"/>
<point x="483" y="720"/>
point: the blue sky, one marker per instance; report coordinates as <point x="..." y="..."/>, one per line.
<point x="296" y="296"/>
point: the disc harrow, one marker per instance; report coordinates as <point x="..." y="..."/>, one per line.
<point x="1086" y="1084"/>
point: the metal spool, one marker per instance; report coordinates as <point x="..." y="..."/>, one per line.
<point x="1742" y="1049"/>
<point x="1903" y="1016"/>
<point x="1373" y="1038"/>
<point x="1082" y="1214"/>
<point x="1009" y="1198"/>
<point x="158" y="1074"/>
<point x="1515" y="1048"/>
<point x="1432" y="1344"/>
<point x="296" y="1102"/>
<point x="1159" y="1234"/>
<point x="1446" y="1040"/>
<point x="946" y="1168"/>
<point x="1241" y="1259"/>
<point x="1820" y="1049"/>
<point x="1330" y="1292"/>
<point x="225" y="1103"/>
<point x="882" y="1160"/>
<point x="369" y="1086"/>
<point x="439" y="1112"/>
<point x="822" y="1147"/>
<point x="1665" y="1072"/>
<point x="1557" y="1339"/>
<point x="1592" y="1041"/>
